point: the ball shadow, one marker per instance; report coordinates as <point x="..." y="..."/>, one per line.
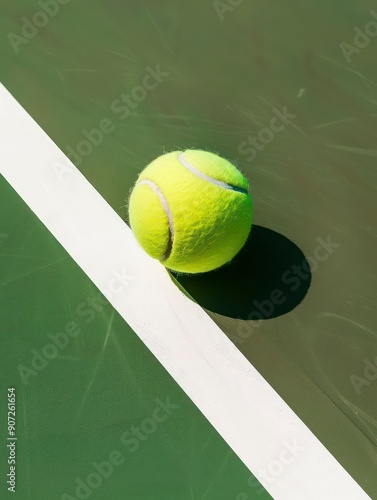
<point x="268" y="278"/>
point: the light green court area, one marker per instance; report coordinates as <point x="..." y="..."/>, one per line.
<point x="93" y="405"/>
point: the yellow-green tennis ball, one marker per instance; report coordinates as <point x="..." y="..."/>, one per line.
<point x="191" y="210"/>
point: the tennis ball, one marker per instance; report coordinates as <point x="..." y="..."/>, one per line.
<point x="191" y="210"/>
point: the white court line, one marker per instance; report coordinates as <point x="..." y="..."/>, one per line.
<point x="238" y="402"/>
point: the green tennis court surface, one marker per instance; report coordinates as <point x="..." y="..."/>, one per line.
<point x="277" y="89"/>
<point x="96" y="391"/>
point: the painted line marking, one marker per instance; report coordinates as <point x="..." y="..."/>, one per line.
<point x="245" y="410"/>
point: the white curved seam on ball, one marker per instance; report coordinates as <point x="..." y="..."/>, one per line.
<point x="207" y="178"/>
<point x="167" y="210"/>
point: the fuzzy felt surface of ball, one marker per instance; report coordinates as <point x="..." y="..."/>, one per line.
<point x="191" y="210"/>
